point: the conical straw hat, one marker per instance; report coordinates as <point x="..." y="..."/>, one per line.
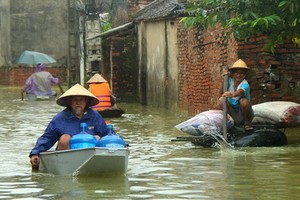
<point x="77" y="90"/>
<point x="239" y="64"/>
<point x="97" y="78"/>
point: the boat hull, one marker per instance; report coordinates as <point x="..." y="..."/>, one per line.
<point x="32" y="97"/>
<point x="261" y="137"/>
<point x="85" y="161"/>
<point x="112" y="112"/>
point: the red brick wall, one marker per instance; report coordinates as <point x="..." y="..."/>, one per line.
<point x="203" y="54"/>
<point x="287" y="60"/>
<point x="18" y="76"/>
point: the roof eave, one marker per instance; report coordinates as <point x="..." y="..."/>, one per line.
<point x="114" y="31"/>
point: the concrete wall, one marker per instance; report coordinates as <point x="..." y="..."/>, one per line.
<point x="5" y="48"/>
<point x="172" y="70"/>
<point x="158" y="63"/>
<point x="40" y="26"/>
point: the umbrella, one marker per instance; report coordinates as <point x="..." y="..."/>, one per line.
<point x="34" y="57"/>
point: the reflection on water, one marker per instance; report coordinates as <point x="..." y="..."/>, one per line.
<point x="158" y="168"/>
<point x="81" y="187"/>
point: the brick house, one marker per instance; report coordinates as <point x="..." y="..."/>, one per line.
<point x="179" y="68"/>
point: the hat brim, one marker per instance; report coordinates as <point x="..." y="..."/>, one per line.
<point x="239" y="67"/>
<point x="77" y="90"/>
<point x="250" y="74"/>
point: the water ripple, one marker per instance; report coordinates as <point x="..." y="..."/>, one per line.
<point x="158" y="168"/>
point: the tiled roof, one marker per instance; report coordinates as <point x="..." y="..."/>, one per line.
<point x="158" y="9"/>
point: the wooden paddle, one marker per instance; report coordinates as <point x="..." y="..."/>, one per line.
<point x="225" y="88"/>
<point x="60" y="88"/>
<point x="22" y="96"/>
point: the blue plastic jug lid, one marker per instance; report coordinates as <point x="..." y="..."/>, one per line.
<point x="82" y="124"/>
<point x="109" y="126"/>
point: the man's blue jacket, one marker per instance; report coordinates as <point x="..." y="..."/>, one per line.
<point x="65" y="122"/>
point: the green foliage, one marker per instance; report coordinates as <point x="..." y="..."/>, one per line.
<point x="105" y="27"/>
<point x="105" y="24"/>
<point x="278" y="20"/>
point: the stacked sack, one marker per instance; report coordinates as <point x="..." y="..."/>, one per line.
<point x="278" y="113"/>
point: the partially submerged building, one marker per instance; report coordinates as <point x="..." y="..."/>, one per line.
<point x="180" y="68"/>
<point x="148" y="56"/>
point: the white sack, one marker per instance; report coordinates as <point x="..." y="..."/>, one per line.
<point x="205" y="122"/>
<point x="276" y="113"/>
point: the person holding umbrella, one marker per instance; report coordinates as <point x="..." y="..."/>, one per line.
<point x="39" y="83"/>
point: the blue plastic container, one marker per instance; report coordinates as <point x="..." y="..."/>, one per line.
<point x="111" y="140"/>
<point x="82" y="139"/>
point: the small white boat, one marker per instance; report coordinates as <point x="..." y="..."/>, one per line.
<point x="92" y="160"/>
<point x="32" y="97"/>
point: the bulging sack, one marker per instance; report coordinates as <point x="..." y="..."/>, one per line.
<point x="280" y="113"/>
<point x="210" y="121"/>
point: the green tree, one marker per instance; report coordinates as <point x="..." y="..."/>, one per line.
<point x="278" y="20"/>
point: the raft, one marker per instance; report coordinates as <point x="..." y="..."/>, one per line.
<point x="261" y="136"/>
<point x="270" y="118"/>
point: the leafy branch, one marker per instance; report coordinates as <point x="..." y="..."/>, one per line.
<point x="278" y="20"/>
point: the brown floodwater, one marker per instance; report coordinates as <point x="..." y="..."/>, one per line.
<point x="158" y="168"/>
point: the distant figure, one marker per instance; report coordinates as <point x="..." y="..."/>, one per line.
<point x="39" y="83"/>
<point x="99" y="87"/>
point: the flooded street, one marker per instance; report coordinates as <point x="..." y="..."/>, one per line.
<point x="158" y="168"/>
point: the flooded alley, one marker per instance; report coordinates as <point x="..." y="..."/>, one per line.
<point x="158" y="168"/>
